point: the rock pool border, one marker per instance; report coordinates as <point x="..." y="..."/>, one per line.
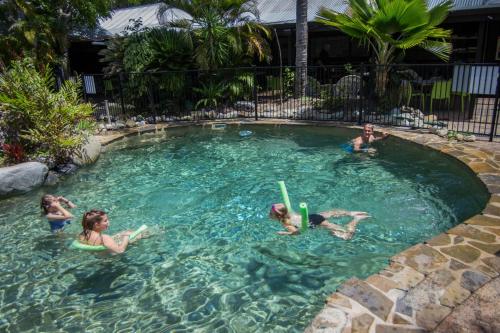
<point x="423" y="287"/>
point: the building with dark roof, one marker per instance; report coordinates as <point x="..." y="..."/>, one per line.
<point x="475" y="25"/>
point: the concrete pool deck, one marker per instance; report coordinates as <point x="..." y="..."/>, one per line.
<point x="449" y="283"/>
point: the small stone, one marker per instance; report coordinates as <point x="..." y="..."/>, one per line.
<point x="66" y="169"/>
<point x="441" y="278"/>
<point x="472" y="280"/>
<point x="383" y="328"/>
<point x="484" y="220"/>
<point x="431" y="315"/>
<point x="487" y="271"/>
<point x="331" y="319"/>
<point x="492" y="210"/>
<point x="367" y="296"/>
<point x="482" y="167"/>
<point x="337" y="299"/>
<point x="443" y="132"/>
<point x="52" y="179"/>
<point x="422" y="258"/>
<point x="400" y="320"/>
<point x="403" y="307"/>
<point x="458" y="240"/>
<point x="361" y="324"/>
<point x="381" y="283"/>
<point x="460" y="137"/>
<point x="463" y="253"/>
<point x="493" y="230"/>
<point x="440" y="240"/>
<point x="130" y="123"/>
<point x="454" y="295"/>
<point x="405" y="278"/>
<point x="493" y="262"/>
<point x="457" y="265"/>
<point x="469" y="138"/>
<point x="471" y="232"/>
<point x="490" y="248"/>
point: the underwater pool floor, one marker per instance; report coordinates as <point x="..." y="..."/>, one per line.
<point x="215" y="262"/>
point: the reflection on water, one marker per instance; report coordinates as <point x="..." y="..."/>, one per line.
<point x="215" y="262"/>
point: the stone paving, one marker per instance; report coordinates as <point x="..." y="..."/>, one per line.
<point x="432" y="284"/>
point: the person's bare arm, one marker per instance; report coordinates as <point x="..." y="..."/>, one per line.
<point x="66" y="202"/>
<point x="57" y="217"/>
<point x="356" y="143"/>
<point x="291" y="230"/>
<point x="114" y="247"/>
<point x="384" y="135"/>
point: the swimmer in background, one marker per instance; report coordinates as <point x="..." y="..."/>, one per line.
<point x="94" y="222"/>
<point x="362" y="142"/>
<point x="56" y="214"/>
<point x="292" y="222"/>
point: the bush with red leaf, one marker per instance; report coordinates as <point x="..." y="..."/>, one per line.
<point x="13" y="152"/>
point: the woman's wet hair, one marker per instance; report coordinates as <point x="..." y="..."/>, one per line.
<point x="89" y="220"/>
<point x="280" y="212"/>
<point x="45" y="203"/>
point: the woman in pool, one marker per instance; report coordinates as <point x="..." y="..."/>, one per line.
<point x="94" y="222"/>
<point x="54" y="211"/>
<point x="292" y="221"/>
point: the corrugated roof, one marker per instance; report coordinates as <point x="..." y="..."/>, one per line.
<point x="273" y="12"/>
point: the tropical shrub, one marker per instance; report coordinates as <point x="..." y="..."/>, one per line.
<point x="390" y="27"/>
<point x="38" y="118"/>
<point x="240" y="86"/>
<point x="211" y="93"/>
<point x="225" y="33"/>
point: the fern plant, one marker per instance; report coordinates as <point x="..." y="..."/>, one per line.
<point x="211" y="93"/>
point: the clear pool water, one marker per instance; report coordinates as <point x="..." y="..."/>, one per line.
<point x="215" y="263"/>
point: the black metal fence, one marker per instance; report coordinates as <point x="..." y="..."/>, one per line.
<point x="458" y="97"/>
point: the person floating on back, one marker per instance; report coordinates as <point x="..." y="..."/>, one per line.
<point x="292" y="222"/>
<point x="56" y="214"/>
<point x="94" y="223"/>
<point x="362" y="142"/>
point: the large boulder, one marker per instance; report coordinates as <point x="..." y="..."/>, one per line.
<point x="22" y="177"/>
<point x="88" y="153"/>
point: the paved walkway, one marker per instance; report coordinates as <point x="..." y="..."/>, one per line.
<point x="449" y="283"/>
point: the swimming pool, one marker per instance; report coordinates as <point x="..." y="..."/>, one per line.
<point x="216" y="263"/>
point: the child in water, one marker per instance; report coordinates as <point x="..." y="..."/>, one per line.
<point x="94" y="222"/>
<point x="56" y="214"/>
<point x="292" y="222"/>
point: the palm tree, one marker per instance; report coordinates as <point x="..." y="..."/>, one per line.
<point x="390" y="26"/>
<point x="301" y="48"/>
<point x="224" y="32"/>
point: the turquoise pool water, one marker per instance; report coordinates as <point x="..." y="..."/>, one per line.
<point x="215" y="263"/>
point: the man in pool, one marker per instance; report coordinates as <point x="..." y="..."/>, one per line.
<point x="362" y="142"/>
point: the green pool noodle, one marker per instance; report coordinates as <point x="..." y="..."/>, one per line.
<point x="284" y="195"/>
<point x="304" y="213"/>
<point x="76" y="245"/>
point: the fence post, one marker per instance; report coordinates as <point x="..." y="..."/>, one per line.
<point x="106" y="107"/>
<point x="120" y="79"/>
<point x="361" y="93"/>
<point x="495" y="109"/>
<point x="255" y="97"/>
<point x="82" y="78"/>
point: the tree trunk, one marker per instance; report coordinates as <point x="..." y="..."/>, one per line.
<point x="301" y="49"/>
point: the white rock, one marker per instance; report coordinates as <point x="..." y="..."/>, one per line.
<point x="442" y="132"/>
<point x="469" y="138"/>
<point x="88" y="153"/>
<point x="22" y="177"/>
